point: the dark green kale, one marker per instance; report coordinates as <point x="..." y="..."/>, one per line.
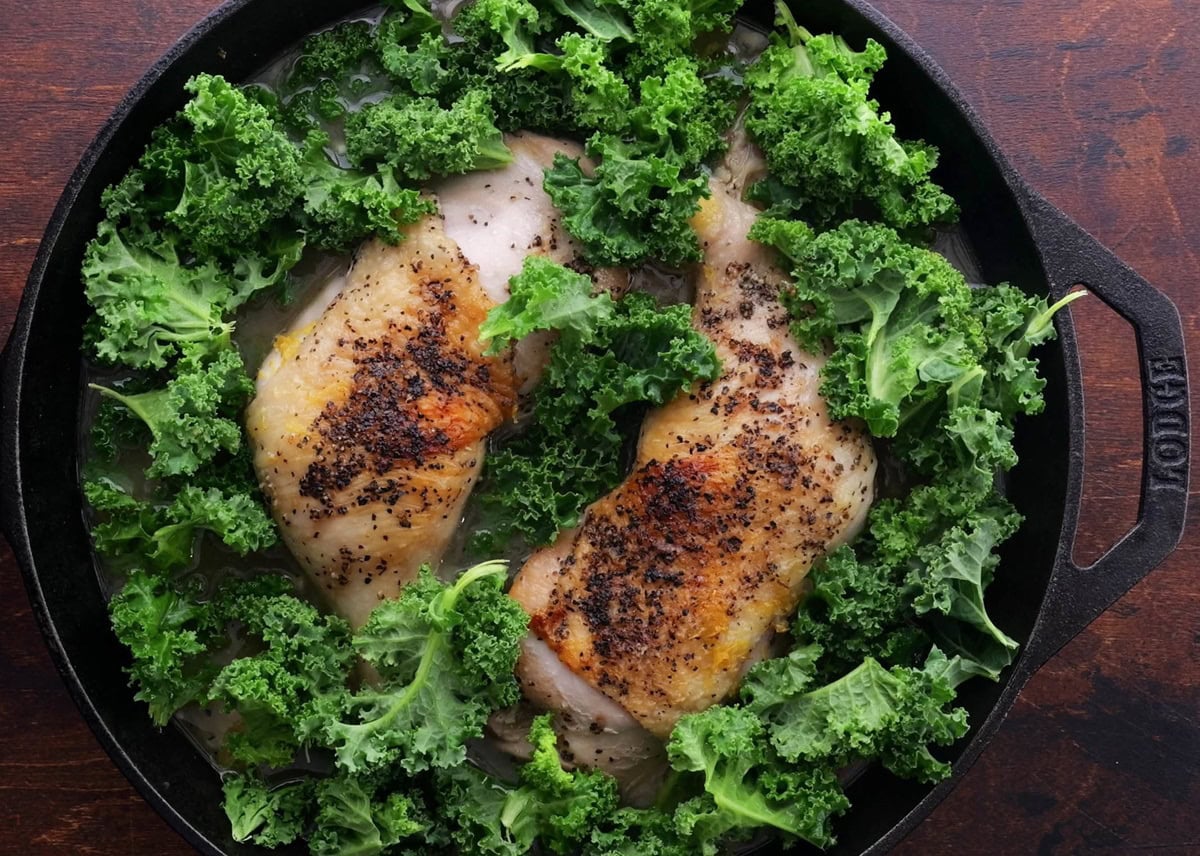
<point x="747" y="785"/>
<point x="830" y="149"/>
<point x="354" y="818"/>
<point x="278" y="692"/>
<point x="557" y="808"/>
<point x="333" y="53"/>
<point x="419" y="138"/>
<point x="638" y="201"/>
<point x="445" y="656"/>
<point x="608" y="356"/>
<point x="168" y="631"/>
<point x="340" y="206"/>
<point x="163" y="536"/>
<point x="871" y="712"/>
<point x="338" y="816"/>
<point x="196" y="415"/>
<point x="268" y="817"/>
<point x="650" y="130"/>
<point x="148" y="304"/>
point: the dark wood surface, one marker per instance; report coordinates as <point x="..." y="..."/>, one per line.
<point x="1094" y="101"/>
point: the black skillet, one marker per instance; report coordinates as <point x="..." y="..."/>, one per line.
<point x="1040" y="596"/>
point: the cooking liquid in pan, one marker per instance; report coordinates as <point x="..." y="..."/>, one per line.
<point x="267" y="316"/>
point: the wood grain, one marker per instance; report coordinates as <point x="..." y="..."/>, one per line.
<point x="1094" y="102"/>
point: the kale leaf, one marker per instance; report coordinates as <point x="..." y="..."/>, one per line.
<point x="445" y="656"/>
<point x="163" y="535"/>
<point x="828" y="145"/>
<point x="608" y="355"/>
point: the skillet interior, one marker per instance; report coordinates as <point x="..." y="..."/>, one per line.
<point x="45" y="522"/>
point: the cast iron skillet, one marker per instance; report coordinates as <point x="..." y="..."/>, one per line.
<point x="1040" y="595"/>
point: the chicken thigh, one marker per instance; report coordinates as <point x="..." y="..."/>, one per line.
<point x="369" y="423"/>
<point x="372" y="411"/>
<point x="674" y="582"/>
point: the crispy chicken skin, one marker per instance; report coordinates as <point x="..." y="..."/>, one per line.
<point x="372" y="412"/>
<point x="673" y="582"/>
<point x="369" y="423"/>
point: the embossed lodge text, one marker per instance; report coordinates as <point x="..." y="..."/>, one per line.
<point x="1168" y="423"/>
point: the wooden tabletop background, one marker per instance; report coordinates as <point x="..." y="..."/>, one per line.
<point x="1094" y="101"/>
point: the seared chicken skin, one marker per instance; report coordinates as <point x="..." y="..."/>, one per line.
<point x="674" y="583"/>
<point x="371" y="413"/>
<point x="369" y="423"/>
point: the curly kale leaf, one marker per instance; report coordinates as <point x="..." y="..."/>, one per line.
<point x="430" y="66"/>
<point x="163" y="535"/>
<point x="218" y="209"/>
<point x="168" y="631"/>
<point x="355" y="819"/>
<point x="899" y="316"/>
<point x="445" y="656"/>
<point x="115" y="428"/>
<point x="506" y="30"/>
<point x="472" y="805"/>
<point x="772" y="761"/>
<point x="638" y="832"/>
<point x="883" y="595"/>
<point x="332" y="53"/>
<point x="871" y="712"/>
<point x="338" y="816"/>
<point x="268" y="817"/>
<point x="631" y="209"/>
<point x="419" y="138"/>
<point x="665" y="30"/>
<point x="148" y="304"/>
<point x="638" y="202"/>
<point x="1013" y="325"/>
<point x="278" y="692"/>
<point x="949" y="579"/>
<point x="608" y="355"/>
<point x="196" y="415"/>
<point x="557" y="808"/>
<point x="341" y="205"/>
<point x="650" y="132"/>
<point x="546" y="296"/>
<point x="859" y="607"/>
<point x="560" y="808"/>
<point x="827" y="141"/>
<point x="746" y="784"/>
<point x="227" y="170"/>
<point x="600" y="18"/>
<point x="944" y="370"/>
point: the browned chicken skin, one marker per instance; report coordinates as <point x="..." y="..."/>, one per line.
<point x="673" y="582"/>
<point x="371" y="413"/>
<point x="369" y="424"/>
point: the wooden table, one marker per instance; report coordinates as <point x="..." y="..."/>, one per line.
<point x="1094" y="101"/>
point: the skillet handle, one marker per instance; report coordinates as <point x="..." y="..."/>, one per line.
<point x="1076" y="596"/>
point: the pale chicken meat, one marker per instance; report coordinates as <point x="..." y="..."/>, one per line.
<point x="499" y="218"/>
<point x="369" y="423"/>
<point x="675" y="582"/>
<point x="594" y="732"/>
